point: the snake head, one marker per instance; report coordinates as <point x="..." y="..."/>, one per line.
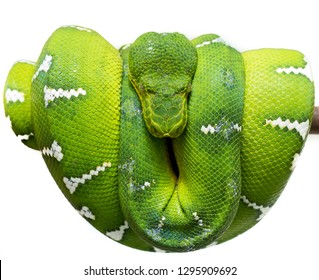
<point x="161" y="69"/>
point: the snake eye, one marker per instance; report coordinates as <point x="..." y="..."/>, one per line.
<point x="145" y="89"/>
<point x="184" y="90"/>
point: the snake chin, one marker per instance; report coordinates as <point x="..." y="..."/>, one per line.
<point x="165" y="116"/>
<point x="164" y="131"/>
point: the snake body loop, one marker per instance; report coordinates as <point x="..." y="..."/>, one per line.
<point x="166" y="143"/>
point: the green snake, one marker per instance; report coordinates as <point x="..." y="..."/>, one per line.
<point x="167" y="144"/>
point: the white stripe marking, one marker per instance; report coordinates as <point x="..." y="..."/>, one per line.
<point x="212" y="129"/>
<point x="145" y="185"/>
<point x="86" y="212"/>
<point x="216" y="40"/>
<point x="13" y="95"/>
<point x="236" y="127"/>
<point x="25" y="136"/>
<point x="161" y="223"/>
<point x="196" y="218"/>
<point x="306" y="70"/>
<point x="50" y="94"/>
<point x="301" y="128"/>
<point x="117" y="235"/>
<point x="73" y="183"/>
<point x="208" y="129"/>
<point x="44" y="66"/>
<point x="55" y="151"/>
<point x="264" y="210"/>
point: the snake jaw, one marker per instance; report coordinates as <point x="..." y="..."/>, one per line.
<point x="165" y="116"/>
<point x="164" y="103"/>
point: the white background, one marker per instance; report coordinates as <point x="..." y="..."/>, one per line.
<point x="42" y="237"/>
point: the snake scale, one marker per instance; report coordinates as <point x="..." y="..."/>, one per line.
<point x="167" y="144"/>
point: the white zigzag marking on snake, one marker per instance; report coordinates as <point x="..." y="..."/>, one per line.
<point x="86" y="212"/>
<point x="216" y="40"/>
<point x="117" y="235"/>
<point x="50" y="94"/>
<point x="14" y="95"/>
<point x="301" y="128"/>
<point x="73" y="183"/>
<point x="196" y="218"/>
<point x="264" y="210"/>
<point x="145" y="185"/>
<point x="55" y="151"/>
<point x="25" y="136"/>
<point x="161" y="222"/>
<point x="306" y="70"/>
<point x="211" y="129"/>
<point x="44" y="66"/>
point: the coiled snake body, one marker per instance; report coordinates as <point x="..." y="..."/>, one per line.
<point x="168" y="143"/>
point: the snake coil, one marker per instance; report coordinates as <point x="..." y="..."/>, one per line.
<point x="166" y="144"/>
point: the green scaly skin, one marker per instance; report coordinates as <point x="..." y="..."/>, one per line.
<point x="104" y="121"/>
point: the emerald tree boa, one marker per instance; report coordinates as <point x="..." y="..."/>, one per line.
<point x="167" y="143"/>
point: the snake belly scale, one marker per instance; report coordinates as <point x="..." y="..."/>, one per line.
<point x="166" y="144"/>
